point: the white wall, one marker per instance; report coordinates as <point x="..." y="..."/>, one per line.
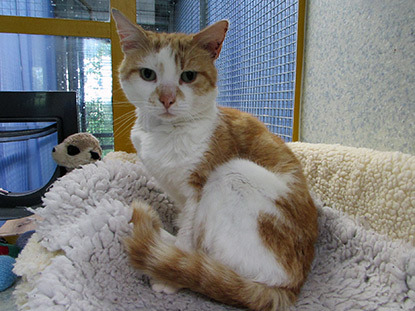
<point x="359" y="74"/>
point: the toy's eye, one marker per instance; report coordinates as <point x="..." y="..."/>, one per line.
<point x="95" y="155"/>
<point x="73" y="150"/>
<point x="188" y="76"/>
<point x="148" y="74"/>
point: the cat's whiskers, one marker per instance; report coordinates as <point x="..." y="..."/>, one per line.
<point x="124" y="104"/>
<point x="122" y="117"/>
<point x="121" y="132"/>
<point x="121" y="123"/>
<point x="123" y="127"/>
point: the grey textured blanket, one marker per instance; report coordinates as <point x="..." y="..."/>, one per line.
<point x="76" y="260"/>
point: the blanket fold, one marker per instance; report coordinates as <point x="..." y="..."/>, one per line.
<point x="76" y="260"/>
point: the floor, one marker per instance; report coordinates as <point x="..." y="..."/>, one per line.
<point x="7" y="299"/>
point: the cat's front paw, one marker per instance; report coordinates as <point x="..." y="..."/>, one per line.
<point x="162" y="287"/>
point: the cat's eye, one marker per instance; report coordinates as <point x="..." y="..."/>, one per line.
<point x="188" y="76"/>
<point x="148" y="74"/>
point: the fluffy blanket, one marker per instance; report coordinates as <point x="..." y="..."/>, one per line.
<point x="377" y="186"/>
<point x="76" y="260"/>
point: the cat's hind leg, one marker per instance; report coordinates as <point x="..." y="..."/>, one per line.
<point x="234" y="197"/>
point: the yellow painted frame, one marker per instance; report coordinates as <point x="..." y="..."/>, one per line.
<point x="299" y="68"/>
<point x="91" y="29"/>
<point x="54" y="27"/>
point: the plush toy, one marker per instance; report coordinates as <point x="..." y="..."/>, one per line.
<point x="76" y="150"/>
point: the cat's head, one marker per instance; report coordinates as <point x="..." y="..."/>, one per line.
<point x="169" y="76"/>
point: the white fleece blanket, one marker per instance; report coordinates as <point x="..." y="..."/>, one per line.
<point x="76" y="260"/>
<point x="377" y="186"/>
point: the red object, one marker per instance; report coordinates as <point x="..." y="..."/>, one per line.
<point x="4" y="250"/>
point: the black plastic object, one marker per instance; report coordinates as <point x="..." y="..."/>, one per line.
<point x="59" y="107"/>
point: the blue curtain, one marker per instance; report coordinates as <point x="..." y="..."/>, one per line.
<point x="27" y="63"/>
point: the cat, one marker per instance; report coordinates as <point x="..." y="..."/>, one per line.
<point x="247" y="223"/>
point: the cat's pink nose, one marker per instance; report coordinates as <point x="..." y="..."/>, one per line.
<point x="167" y="99"/>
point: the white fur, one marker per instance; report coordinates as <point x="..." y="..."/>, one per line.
<point x="233" y="197"/>
<point x="171" y="148"/>
<point x="170" y="152"/>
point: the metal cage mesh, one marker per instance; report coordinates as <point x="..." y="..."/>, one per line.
<point x="187" y="16"/>
<point x="257" y="62"/>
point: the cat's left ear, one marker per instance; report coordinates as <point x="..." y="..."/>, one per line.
<point x="211" y="38"/>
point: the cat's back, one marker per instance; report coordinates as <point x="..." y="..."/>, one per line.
<point x="252" y="140"/>
<point x="241" y="135"/>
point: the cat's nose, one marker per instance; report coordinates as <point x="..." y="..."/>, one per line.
<point x="167" y="99"/>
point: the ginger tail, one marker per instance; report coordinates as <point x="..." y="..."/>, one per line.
<point x="195" y="270"/>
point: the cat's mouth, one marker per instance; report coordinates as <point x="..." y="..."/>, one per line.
<point x="167" y="115"/>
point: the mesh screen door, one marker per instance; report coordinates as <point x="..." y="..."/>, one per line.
<point x="257" y="65"/>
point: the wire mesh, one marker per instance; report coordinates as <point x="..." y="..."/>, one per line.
<point x="187" y="16"/>
<point x="257" y="62"/>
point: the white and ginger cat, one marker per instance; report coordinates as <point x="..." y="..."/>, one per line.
<point x="247" y="222"/>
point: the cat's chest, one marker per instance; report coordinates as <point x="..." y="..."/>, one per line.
<point x="165" y="154"/>
<point x="171" y="155"/>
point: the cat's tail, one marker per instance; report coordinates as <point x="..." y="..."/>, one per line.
<point x="195" y="270"/>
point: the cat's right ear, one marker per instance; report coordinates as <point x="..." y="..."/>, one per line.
<point x="132" y="37"/>
<point x="211" y="38"/>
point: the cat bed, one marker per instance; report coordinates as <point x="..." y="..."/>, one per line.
<point x="76" y="259"/>
<point x="376" y="186"/>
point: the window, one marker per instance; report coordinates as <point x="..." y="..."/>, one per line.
<point x="57" y="45"/>
<point x="56" y="63"/>
<point x="69" y="9"/>
<point x="156" y="15"/>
